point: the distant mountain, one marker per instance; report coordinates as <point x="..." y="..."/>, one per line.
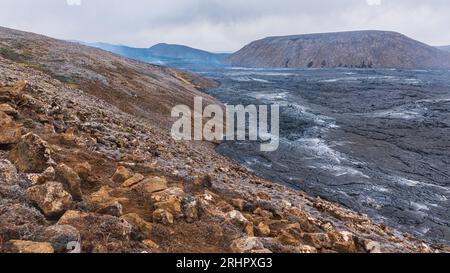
<point x="167" y="54"/>
<point x="446" y="48"/>
<point x="363" y="49"/>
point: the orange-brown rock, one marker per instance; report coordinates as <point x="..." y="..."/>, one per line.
<point x="30" y="247"/>
<point x="31" y="154"/>
<point x="51" y="198"/>
<point x="10" y="132"/>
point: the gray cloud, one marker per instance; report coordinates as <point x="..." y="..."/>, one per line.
<point x="222" y="25"/>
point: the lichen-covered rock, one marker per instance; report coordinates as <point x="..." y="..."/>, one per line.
<point x="8" y="109"/>
<point x="10" y="132"/>
<point x="169" y="200"/>
<point x="248" y="245"/>
<point x="60" y="237"/>
<point x="140" y="226"/>
<point x="70" y="178"/>
<point x="263" y="229"/>
<point x="151" y="185"/>
<point x="51" y="198"/>
<point x="121" y="174"/>
<point x="19" y="221"/>
<point x="31" y="154"/>
<point x="136" y="178"/>
<point x="18" y="246"/>
<point x="8" y="173"/>
<point x="163" y="217"/>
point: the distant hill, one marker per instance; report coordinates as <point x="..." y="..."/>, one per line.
<point x="362" y="49"/>
<point x="166" y="54"/>
<point x="446" y="48"/>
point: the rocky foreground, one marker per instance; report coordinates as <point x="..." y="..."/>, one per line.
<point x="87" y="164"/>
<point x="356" y="49"/>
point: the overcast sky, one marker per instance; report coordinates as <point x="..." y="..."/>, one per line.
<point x="222" y="25"/>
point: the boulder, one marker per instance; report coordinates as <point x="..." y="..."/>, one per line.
<point x="60" y="237"/>
<point x="103" y="202"/>
<point x="8" y="109"/>
<point x="31" y="154"/>
<point x="19" y="221"/>
<point x="114" y="209"/>
<point x="163" y="217"/>
<point x="263" y="230"/>
<point x="190" y="210"/>
<point x="71" y="179"/>
<point x="121" y="175"/>
<point x="8" y="173"/>
<point x="10" y="132"/>
<point x="84" y="170"/>
<point x="139" y="225"/>
<point x="317" y="240"/>
<point x="18" y="246"/>
<point x="133" y="180"/>
<point x="343" y="241"/>
<point x="169" y="200"/>
<point x="248" y="245"/>
<point x="51" y="198"/>
<point x="151" y="185"/>
<point x="48" y="175"/>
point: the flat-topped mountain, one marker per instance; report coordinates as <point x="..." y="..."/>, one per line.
<point x="167" y="54"/>
<point x="361" y="49"/>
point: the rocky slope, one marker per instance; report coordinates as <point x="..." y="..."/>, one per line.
<point x="87" y="165"/>
<point x="362" y="49"/>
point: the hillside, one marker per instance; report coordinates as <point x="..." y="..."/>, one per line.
<point x="167" y="54"/>
<point x="87" y="161"/>
<point x="359" y="49"/>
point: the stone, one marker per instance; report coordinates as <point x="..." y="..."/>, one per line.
<point x="10" y="132"/>
<point x="51" y="198"/>
<point x="20" y="221"/>
<point x="169" y="200"/>
<point x="236" y="217"/>
<point x="204" y="181"/>
<point x="121" y="175"/>
<point x="287" y="239"/>
<point x="249" y="229"/>
<point x="8" y="109"/>
<point x="70" y="178"/>
<point x="31" y="154"/>
<point x="48" y="175"/>
<point x="263" y="230"/>
<point x="151" y="185"/>
<point x="103" y="202"/>
<point x="190" y="211"/>
<point x="8" y="173"/>
<point x="247" y="245"/>
<point x="372" y="247"/>
<point x="100" y="233"/>
<point x="263" y="213"/>
<point x="150" y="244"/>
<point x="60" y="237"/>
<point x="163" y="217"/>
<point x="238" y="204"/>
<point x="133" y="180"/>
<point x="18" y="246"/>
<point x="139" y="225"/>
<point x="317" y="240"/>
<point x="343" y="241"/>
<point x="84" y="170"/>
<point x="114" y="209"/>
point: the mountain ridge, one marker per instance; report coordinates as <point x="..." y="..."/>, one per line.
<point x="359" y="49"/>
